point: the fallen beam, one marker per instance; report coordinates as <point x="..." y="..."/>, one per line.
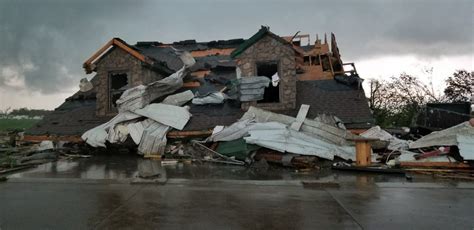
<point x="189" y="134"/>
<point x="40" y="138"/>
<point x="452" y="165"/>
<point x="369" y="169"/>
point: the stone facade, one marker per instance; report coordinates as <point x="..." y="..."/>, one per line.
<point x="268" y="49"/>
<point x="117" y="60"/>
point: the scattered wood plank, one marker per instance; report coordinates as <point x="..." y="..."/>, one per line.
<point x="369" y="169"/>
<point x="446" y="165"/>
<point x="23" y="167"/>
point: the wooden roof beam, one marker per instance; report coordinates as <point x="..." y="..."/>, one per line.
<point x="88" y="64"/>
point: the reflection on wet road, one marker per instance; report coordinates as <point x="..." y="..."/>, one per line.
<point x="71" y="194"/>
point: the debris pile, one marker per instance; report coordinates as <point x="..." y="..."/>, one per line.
<point x="448" y="153"/>
<point x="147" y="123"/>
<point x="148" y="112"/>
<point x="15" y="157"/>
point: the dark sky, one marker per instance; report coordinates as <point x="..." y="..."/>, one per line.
<point x="43" y="43"/>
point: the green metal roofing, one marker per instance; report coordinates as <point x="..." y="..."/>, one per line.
<point x="236" y="148"/>
<point x="255" y="38"/>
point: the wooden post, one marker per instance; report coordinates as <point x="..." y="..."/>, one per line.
<point x="363" y="151"/>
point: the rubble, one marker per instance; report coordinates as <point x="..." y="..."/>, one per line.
<point x="179" y="99"/>
<point x="170" y="115"/>
<point x="277" y="136"/>
<point x="287" y="160"/>
<point x="18" y="157"/>
<point x="141" y="96"/>
<point x="134" y="103"/>
<point x="233" y="132"/>
<point x="394" y="143"/>
<point x="314" y="128"/>
<point x="212" y="98"/>
<point x="153" y="139"/>
<point x="461" y="135"/>
<point x="330" y="120"/>
<point x="97" y="136"/>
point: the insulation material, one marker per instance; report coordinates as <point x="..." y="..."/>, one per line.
<point x="85" y="85"/>
<point x="140" y="96"/>
<point x="233" y="132"/>
<point x="179" y="99"/>
<point x="253" y="88"/>
<point x="97" y="136"/>
<point x="277" y="136"/>
<point x="153" y="141"/>
<point x="446" y="137"/>
<point x="378" y="133"/>
<point x="317" y="129"/>
<point x="275" y="79"/>
<point x="213" y="98"/>
<point x="238" y="72"/>
<point x="174" y="116"/>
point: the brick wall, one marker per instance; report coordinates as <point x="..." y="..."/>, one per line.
<point x="118" y="60"/>
<point x="268" y="49"/>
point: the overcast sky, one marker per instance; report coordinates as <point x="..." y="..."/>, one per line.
<point x="43" y="43"/>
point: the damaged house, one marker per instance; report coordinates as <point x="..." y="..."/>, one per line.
<point x="296" y="72"/>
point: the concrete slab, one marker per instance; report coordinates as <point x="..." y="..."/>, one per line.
<point x="234" y="207"/>
<point x="408" y="208"/>
<point x="97" y="193"/>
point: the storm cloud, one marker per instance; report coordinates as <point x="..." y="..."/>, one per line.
<point x="44" y="43"/>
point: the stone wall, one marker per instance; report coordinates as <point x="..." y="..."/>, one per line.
<point x="269" y="49"/>
<point x="117" y="60"/>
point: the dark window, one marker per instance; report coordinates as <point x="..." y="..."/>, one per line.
<point x="118" y="83"/>
<point x="272" y="93"/>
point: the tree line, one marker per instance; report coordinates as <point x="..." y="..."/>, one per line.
<point x="24" y="112"/>
<point x="396" y="102"/>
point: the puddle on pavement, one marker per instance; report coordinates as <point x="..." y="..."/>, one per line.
<point x="125" y="167"/>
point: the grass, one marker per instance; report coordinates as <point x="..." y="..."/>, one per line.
<point x="12" y="124"/>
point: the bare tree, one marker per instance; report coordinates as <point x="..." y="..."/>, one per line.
<point x="5" y="112"/>
<point x="396" y="102"/>
<point x="459" y="86"/>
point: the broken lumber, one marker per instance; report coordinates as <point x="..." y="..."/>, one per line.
<point x="451" y="165"/>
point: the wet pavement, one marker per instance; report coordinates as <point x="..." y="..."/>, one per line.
<point x="97" y="193"/>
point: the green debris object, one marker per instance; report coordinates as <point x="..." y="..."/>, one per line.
<point x="236" y="148"/>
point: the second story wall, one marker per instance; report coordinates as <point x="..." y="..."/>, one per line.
<point x="117" y="71"/>
<point x="266" y="56"/>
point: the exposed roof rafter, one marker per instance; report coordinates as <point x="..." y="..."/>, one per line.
<point x="117" y="42"/>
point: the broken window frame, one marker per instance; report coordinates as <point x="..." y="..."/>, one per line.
<point x="110" y="92"/>
<point x="277" y="62"/>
